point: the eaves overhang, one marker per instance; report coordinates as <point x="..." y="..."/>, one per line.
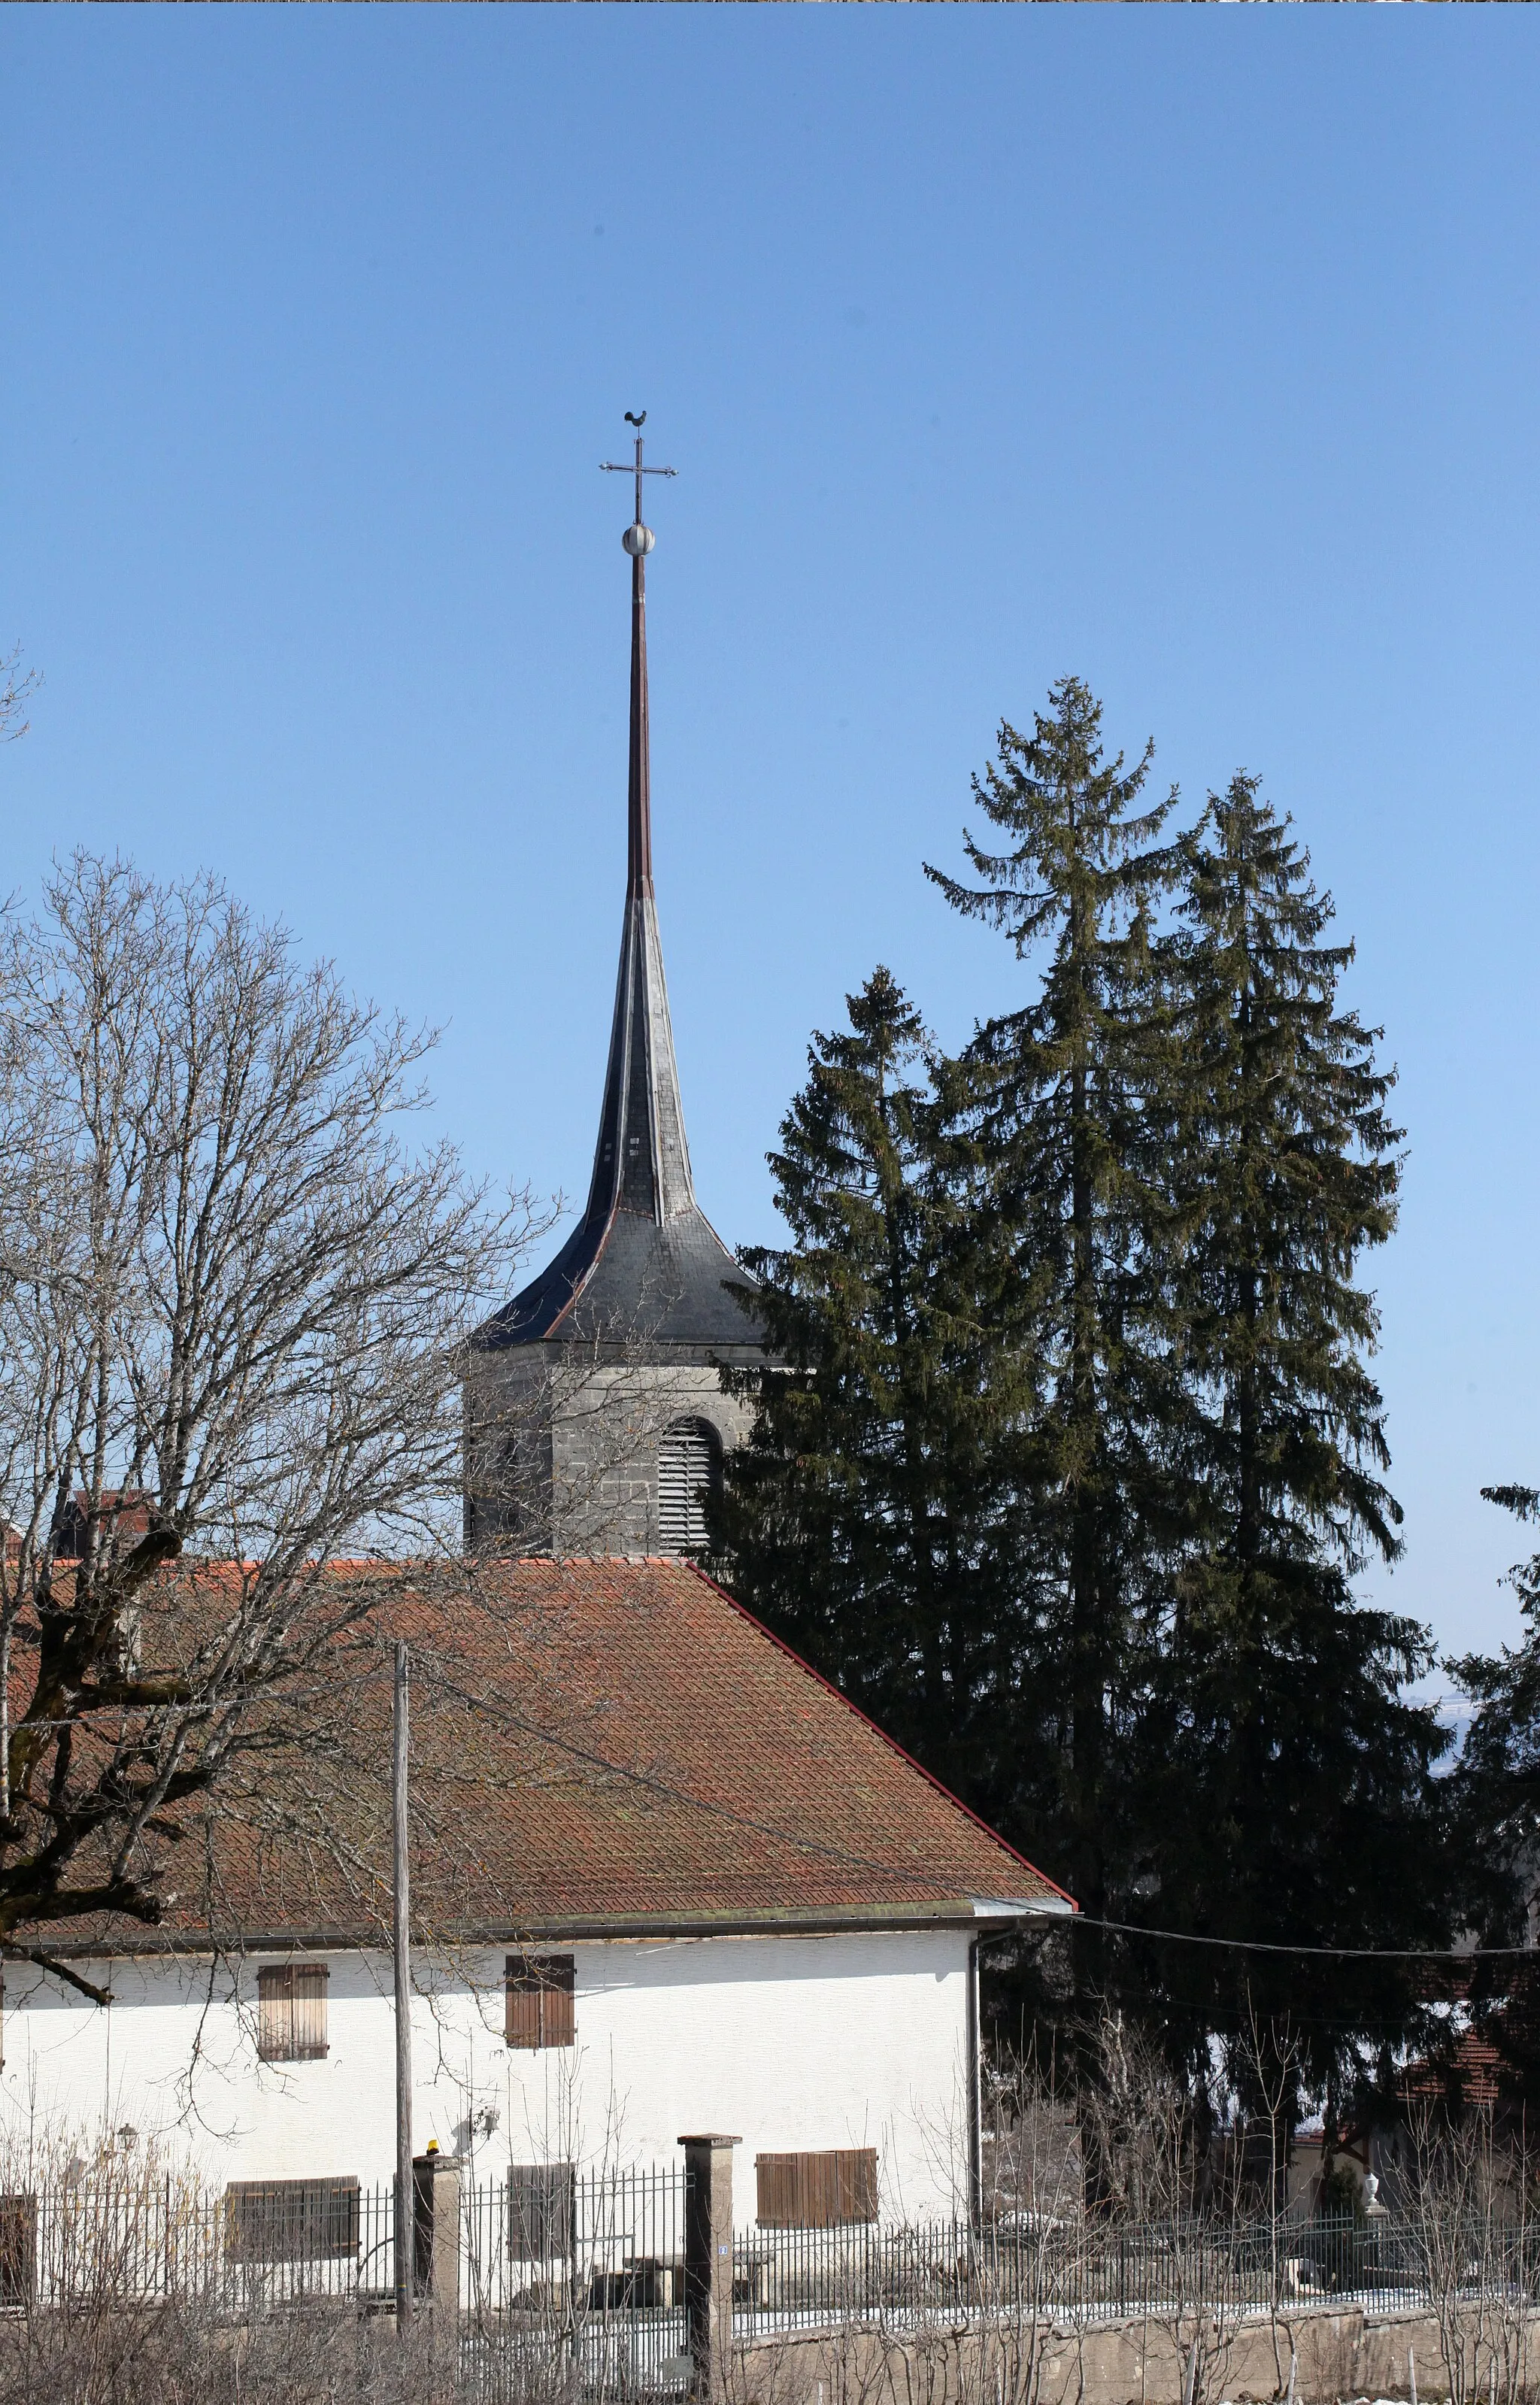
<point x="962" y="1913"/>
<point x="997" y="1909"/>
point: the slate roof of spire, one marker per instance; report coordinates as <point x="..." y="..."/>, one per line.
<point x="644" y="1263"/>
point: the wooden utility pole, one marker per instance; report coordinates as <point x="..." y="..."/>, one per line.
<point x="401" y="1945"/>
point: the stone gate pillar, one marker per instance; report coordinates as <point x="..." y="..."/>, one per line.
<point x="709" y="2261"/>
<point x="436" y="2255"/>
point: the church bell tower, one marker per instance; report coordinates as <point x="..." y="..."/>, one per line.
<point x="594" y="1416"/>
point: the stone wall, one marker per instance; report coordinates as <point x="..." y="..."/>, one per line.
<point x="1138" y="2361"/>
<point x="562" y="1446"/>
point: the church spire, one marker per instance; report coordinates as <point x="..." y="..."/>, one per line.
<point x="637" y="540"/>
<point x="641" y="1162"/>
<point x="644" y="1265"/>
<point x="639" y="814"/>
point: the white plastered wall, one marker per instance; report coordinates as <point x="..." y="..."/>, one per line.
<point x="788" y="2043"/>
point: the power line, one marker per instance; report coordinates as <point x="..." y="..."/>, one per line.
<point x="1274" y="1945"/>
<point x="1056" y="1920"/>
<point x="503" y="1710"/>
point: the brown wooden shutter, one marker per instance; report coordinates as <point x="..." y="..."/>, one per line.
<point x="817" y="2191"/>
<point x="291" y="2221"/>
<point x="772" y="2194"/>
<point x="275" y="2011"/>
<point x="541" y="2211"/>
<point x="858" y="2184"/>
<point x="522" y="2006"/>
<point x="558" y="1999"/>
<point x="540" y="2008"/>
<point x="291" y="2011"/>
<point x="310" y="1993"/>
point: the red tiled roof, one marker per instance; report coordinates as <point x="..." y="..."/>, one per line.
<point x="595" y="1745"/>
<point x="1472" y="2065"/>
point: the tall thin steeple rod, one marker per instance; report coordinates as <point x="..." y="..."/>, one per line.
<point x="637" y="540"/>
<point x="638" y="790"/>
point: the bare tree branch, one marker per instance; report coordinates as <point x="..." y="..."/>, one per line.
<point x="16" y="688"/>
<point x="71" y="1978"/>
<point x="235" y="1310"/>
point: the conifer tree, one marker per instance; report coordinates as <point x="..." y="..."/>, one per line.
<point x="1074" y="1450"/>
<point x="1496" y="1794"/>
<point x="1289" y="1791"/>
<point x="1066" y="1122"/>
<point x="869" y="1519"/>
<point x="1498" y="1777"/>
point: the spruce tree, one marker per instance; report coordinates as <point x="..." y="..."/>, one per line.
<point x="870" y="1517"/>
<point x="1288" y="1790"/>
<point x="1496" y="1790"/>
<point x="1497" y="1779"/>
<point x="1072" y="1453"/>
<point x="1070" y="1087"/>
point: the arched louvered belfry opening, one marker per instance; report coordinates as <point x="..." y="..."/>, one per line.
<point x="689" y="1469"/>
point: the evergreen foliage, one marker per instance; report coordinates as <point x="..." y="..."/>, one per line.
<point x="1498" y="1777"/>
<point x="1290" y="1792"/>
<point x="1075" y="1152"/>
<point x="1073" y="1453"/>
<point x="870" y="1519"/>
<point x="1497" y="1799"/>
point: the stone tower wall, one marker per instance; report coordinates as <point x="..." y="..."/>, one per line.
<point x="562" y="1449"/>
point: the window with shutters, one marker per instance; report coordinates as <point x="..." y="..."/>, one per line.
<point x="291" y="2012"/>
<point x="542" y="2202"/>
<point x="817" y="2191"/>
<point x="689" y="1469"/>
<point x="291" y="2221"/>
<point x="539" y="1995"/>
<point x="17" y="2249"/>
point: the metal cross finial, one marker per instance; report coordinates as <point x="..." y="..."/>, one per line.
<point x="619" y="468"/>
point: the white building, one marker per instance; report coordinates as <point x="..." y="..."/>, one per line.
<point x="707" y="1894"/>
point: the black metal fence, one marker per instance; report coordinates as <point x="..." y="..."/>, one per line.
<point x="567" y="2278"/>
<point x="1076" y="2273"/>
<point x="558" y="2267"/>
<point x="564" y="2278"/>
<point x="76" y="2243"/>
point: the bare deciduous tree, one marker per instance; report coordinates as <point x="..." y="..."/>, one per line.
<point x="1142" y="2124"/>
<point x="17" y="687"/>
<point x="236" y="1303"/>
<point x="1469" y="2205"/>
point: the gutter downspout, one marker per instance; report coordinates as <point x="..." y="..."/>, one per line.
<point x="976" y="2132"/>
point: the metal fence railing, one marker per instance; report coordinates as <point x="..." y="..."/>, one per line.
<point x="561" y="2275"/>
<point x="1078" y="2272"/>
<point x="258" y="2244"/>
<point x="581" y="2276"/>
<point x="587" y="2268"/>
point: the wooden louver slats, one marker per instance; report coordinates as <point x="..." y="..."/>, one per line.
<point x="291" y="2221"/>
<point x="817" y="2191"/>
<point x="291" y="2012"/>
<point x="541" y="2211"/>
<point x="688" y="1468"/>
<point x="540" y="2008"/>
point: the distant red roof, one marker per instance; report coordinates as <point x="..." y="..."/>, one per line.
<point x="1472" y="2068"/>
<point x="596" y="1746"/>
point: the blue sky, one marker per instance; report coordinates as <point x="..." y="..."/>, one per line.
<point x="1194" y="351"/>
